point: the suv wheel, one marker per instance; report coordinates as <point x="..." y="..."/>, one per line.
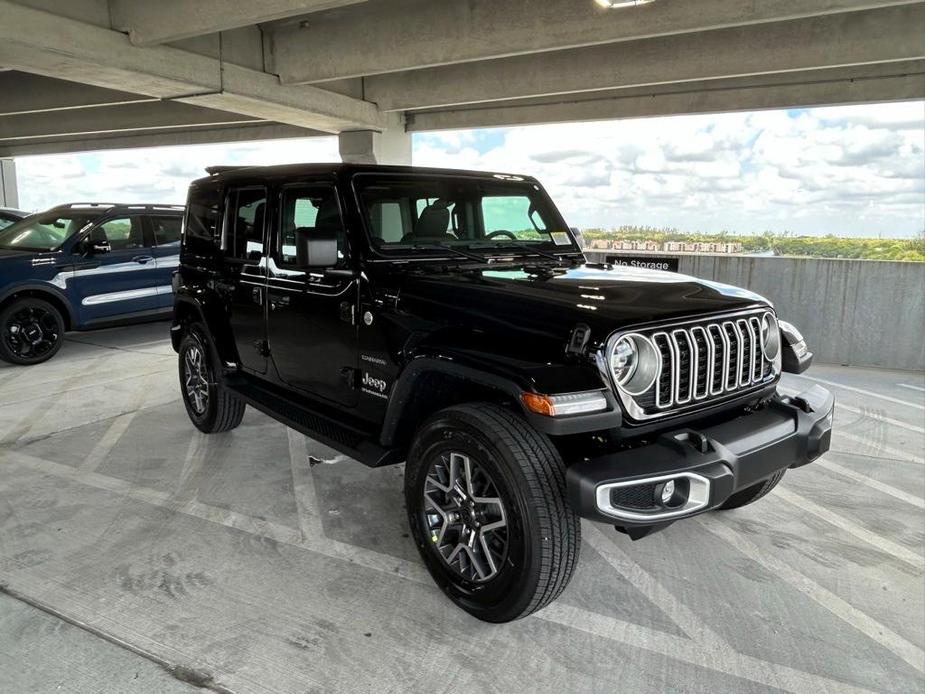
<point x="486" y="501"/>
<point x="210" y="406"/>
<point x="31" y="331"/>
<point x="751" y="494"/>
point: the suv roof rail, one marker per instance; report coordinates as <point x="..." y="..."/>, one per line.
<point x="86" y="204"/>
<point x="213" y="170"/>
<point x="125" y="205"/>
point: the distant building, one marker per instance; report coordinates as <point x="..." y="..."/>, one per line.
<point x="668" y="246"/>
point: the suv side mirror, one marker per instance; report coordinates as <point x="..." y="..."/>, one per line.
<point x="94" y="246"/>
<point x="315" y="248"/>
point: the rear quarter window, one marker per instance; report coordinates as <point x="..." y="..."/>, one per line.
<point x="200" y="232"/>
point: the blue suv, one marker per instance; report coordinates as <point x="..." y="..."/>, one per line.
<point x="81" y="266"/>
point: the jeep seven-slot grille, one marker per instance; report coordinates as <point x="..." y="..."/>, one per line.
<point x="703" y="362"/>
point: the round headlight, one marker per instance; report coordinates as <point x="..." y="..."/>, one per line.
<point x="770" y="337"/>
<point x="634" y="363"/>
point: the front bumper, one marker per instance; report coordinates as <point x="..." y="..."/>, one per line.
<point x="707" y="465"/>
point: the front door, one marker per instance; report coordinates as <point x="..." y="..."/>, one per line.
<point x="244" y="274"/>
<point x="165" y="230"/>
<point x="311" y="319"/>
<point x="118" y="283"/>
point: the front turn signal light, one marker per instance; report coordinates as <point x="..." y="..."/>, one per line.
<point x="566" y="404"/>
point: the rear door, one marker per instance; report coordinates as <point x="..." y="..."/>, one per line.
<point x="117" y="283"/>
<point x="244" y="273"/>
<point x="165" y="235"/>
<point x="311" y="320"/>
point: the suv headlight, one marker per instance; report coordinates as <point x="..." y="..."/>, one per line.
<point x="770" y="337"/>
<point x="634" y="363"/>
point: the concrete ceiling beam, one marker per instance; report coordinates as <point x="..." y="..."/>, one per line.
<point x="856" y="38"/>
<point x="826" y="88"/>
<point x="401" y="35"/>
<point x="114" y="119"/>
<point x="43" y="43"/>
<point x="155" y="138"/>
<point x="25" y="93"/>
<point x="150" y="23"/>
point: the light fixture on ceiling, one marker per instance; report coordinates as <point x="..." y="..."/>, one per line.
<point x="616" y="4"/>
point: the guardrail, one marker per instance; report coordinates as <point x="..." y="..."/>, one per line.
<point x="852" y="312"/>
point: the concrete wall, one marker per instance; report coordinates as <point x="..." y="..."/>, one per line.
<point x="857" y="312"/>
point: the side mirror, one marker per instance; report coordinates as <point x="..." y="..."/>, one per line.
<point x="96" y="247"/>
<point x="795" y="357"/>
<point x="315" y="248"/>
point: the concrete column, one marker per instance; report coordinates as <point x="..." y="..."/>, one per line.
<point x="390" y="146"/>
<point x="9" y="196"/>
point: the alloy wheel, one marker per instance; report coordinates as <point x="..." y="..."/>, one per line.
<point x="196" y="379"/>
<point x="31" y="332"/>
<point x="465" y="517"/>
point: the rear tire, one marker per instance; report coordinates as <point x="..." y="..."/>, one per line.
<point x="501" y="541"/>
<point x="750" y="495"/>
<point x="210" y="406"/>
<point x="31" y="331"/>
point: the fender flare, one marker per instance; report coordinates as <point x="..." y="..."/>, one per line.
<point x="44" y="287"/>
<point x="509" y="384"/>
<point x="222" y="344"/>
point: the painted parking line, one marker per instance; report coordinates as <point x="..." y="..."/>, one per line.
<point x="911" y="387"/>
<point x="832" y="466"/>
<point x="867" y="625"/>
<point x="706" y="655"/>
<point x="865" y="413"/>
<point x="894" y="549"/>
<point x="648" y="585"/>
<point x="861" y="391"/>
<point x="891" y="452"/>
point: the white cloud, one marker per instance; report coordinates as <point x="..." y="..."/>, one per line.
<point x="159" y="174"/>
<point x="847" y="170"/>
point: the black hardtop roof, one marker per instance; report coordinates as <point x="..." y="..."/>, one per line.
<point x="221" y="174"/>
<point x="119" y="207"/>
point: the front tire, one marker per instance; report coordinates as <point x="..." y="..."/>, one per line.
<point x="486" y="501"/>
<point x="750" y="495"/>
<point x="209" y="405"/>
<point x="31" y="331"/>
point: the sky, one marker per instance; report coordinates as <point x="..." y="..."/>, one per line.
<point x="845" y="170"/>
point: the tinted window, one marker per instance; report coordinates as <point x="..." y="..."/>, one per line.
<point x="308" y="210"/>
<point x="464" y="211"/>
<point x="45" y="231"/>
<point x="122" y="233"/>
<point x="166" y="230"/>
<point x="245" y="234"/>
<point x="202" y="215"/>
<point x="513" y="213"/>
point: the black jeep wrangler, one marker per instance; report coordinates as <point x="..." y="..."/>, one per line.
<point x="448" y="320"/>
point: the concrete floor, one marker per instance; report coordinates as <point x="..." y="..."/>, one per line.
<point x="230" y="555"/>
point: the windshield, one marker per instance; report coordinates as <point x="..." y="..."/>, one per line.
<point x="45" y="231"/>
<point x="408" y="212"/>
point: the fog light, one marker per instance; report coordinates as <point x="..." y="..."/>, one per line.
<point x="667" y="492"/>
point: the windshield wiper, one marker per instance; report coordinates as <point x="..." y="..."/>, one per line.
<point x="442" y="247"/>
<point x="526" y="249"/>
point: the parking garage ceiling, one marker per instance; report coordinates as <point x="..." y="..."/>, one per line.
<point x="95" y="74"/>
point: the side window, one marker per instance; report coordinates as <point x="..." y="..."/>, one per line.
<point x="244" y="237"/>
<point x="512" y="213"/>
<point x="122" y="233"/>
<point x="166" y="231"/>
<point x="386" y="219"/>
<point x="200" y="232"/>
<point x="309" y="210"/>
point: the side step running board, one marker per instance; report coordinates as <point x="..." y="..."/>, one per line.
<point x="342" y="437"/>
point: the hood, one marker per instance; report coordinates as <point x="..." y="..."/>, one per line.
<point x="549" y="305"/>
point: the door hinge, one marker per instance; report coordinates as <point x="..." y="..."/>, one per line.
<point x="350" y="376"/>
<point x="262" y="347"/>
<point x="348" y="312"/>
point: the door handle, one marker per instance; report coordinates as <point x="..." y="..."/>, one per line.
<point x="142" y="259"/>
